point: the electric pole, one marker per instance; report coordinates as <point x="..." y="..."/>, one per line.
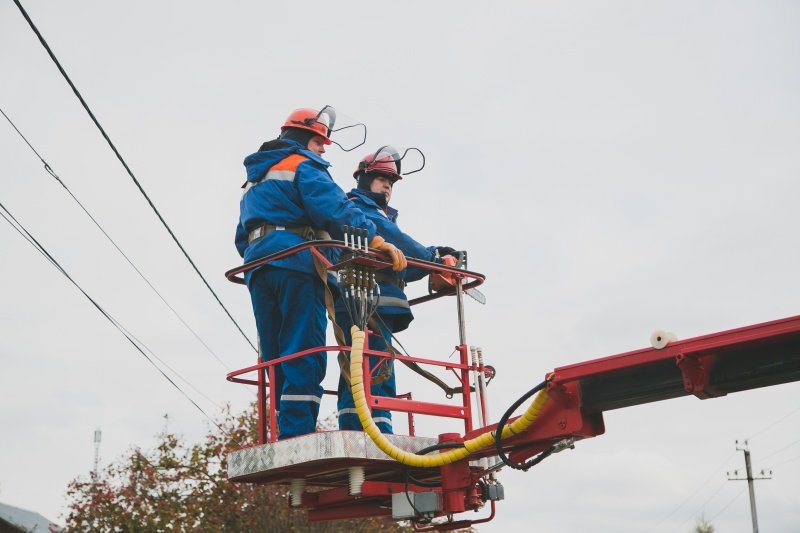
<point x="750" y="479"/>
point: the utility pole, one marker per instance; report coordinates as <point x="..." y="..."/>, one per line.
<point x="750" y="479"/>
<point x="98" y="435"/>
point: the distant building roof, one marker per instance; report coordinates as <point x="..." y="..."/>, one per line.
<point x="22" y="520"/>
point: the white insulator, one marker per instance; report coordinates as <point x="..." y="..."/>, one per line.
<point x="297" y="487"/>
<point x="660" y="338"/>
<point x="356" y="479"/>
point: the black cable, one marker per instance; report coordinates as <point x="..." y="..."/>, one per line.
<point x="440" y="446"/>
<point x="425" y="451"/>
<point x="35" y="243"/>
<point x="421" y="519"/>
<point x="499" y="432"/>
<point x="419" y="482"/>
<point x="96" y="223"/>
<point x="125" y="165"/>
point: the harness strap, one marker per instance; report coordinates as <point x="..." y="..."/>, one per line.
<point x="414" y="367"/>
<point x="308" y="233"/>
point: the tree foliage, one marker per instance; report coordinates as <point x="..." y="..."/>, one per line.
<point x="703" y="526"/>
<point x="183" y="487"/>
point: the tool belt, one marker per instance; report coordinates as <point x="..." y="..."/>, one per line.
<point x="306" y="232"/>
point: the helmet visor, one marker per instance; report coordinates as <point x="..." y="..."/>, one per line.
<point x="408" y="160"/>
<point x="343" y="131"/>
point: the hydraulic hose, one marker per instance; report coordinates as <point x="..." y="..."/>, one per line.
<point x="411" y="459"/>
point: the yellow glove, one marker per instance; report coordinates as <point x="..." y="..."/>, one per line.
<point x="398" y="259"/>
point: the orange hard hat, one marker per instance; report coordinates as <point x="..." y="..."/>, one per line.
<point x="310" y="120"/>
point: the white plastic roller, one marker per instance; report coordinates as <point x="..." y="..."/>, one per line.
<point x="660" y="338"/>
<point x="296" y="487"/>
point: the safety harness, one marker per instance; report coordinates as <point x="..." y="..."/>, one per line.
<point x="383" y="370"/>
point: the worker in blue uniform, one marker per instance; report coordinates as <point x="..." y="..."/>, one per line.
<point x="376" y="175"/>
<point x="289" y="197"/>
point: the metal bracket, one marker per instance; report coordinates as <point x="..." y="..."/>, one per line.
<point x="561" y="394"/>
<point x="695" y="373"/>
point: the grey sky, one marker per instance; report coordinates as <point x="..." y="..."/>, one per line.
<point x="612" y="167"/>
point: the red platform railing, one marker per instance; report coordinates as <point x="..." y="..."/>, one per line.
<point x="265" y="370"/>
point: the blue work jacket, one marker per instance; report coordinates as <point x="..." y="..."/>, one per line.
<point x="291" y="186"/>
<point x="393" y="300"/>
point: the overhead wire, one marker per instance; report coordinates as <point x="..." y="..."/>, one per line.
<point x="55" y="176"/>
<point x="791" y="459"/>
<point x="693" y="494"/>
<point x="723" y="484"/>
<point x="761" y="431"/>
<point x="14" y="223"/>
<point x="784" y="417"/>
<point x="727" y="504"/>
<point x="776" y="452"/>
<point x="127" y="168"/>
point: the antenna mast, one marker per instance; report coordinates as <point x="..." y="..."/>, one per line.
<point x="98" y="436"/>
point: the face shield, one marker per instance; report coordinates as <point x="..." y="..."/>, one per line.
<point x="341" y="130"/>
<point x="405" y="160"/>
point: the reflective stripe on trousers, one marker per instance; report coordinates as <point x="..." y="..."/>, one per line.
<point x="290" y="316"/>
<point x="384" y="423"/>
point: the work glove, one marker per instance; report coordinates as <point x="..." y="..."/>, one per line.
<point x="439" y="281"/>
<point x="398" y="259"/>
<point x="446" y="250"/>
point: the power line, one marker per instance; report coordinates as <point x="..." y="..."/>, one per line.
<point x="9" y="217"/>
<point x="127" y="168"/>
<point x="693" y="494"/>
<point x="701" y="507"/>
<point x="727" y="505"/>
<point x="780" y="450"/>
<point x="128" y="259"/>
<point x="784" y="417"/>
<point x="787" y="461"/>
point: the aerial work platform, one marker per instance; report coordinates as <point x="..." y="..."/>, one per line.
<point x="322" y="459"/>
<point x="708" y="367"/>
<point x="431" y="480"/>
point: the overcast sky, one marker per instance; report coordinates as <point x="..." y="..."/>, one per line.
<point x="612" y="167"/>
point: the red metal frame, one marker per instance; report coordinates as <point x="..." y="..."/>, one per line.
<point x="402" y="403"/>
<point x="709" y="366"/>
<point x="706" y="367"/>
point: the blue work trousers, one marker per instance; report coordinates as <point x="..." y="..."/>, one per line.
<point x="348" y="418"/>
<point x="290" y="315"/>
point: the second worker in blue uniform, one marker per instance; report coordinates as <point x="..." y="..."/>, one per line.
<point x="376" y="175"/>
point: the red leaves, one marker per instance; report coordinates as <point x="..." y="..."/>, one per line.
<point x="183" y="487"/>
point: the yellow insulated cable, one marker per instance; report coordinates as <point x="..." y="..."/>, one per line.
<point x="424" y="461"/>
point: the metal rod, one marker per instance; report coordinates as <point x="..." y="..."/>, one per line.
<point x="482" y="388"/>
<point x="478" y="393"/>
<point x="462" y="327"/>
